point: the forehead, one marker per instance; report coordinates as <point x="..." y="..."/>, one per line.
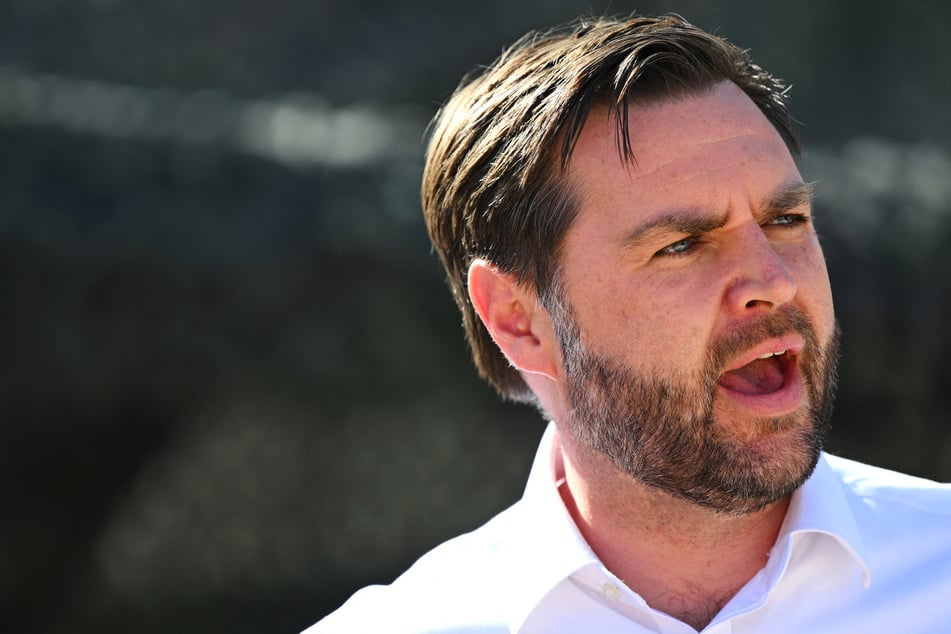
<point x="690" y="148"/>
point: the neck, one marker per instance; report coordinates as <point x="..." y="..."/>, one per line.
<point x="684" y="560"/>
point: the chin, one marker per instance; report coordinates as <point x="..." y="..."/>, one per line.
<point x="755" y="473"/>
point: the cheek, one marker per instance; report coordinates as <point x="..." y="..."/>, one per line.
<point x="813" y="284"/>
<point x="824" y="308"/>
<point x="662" y="322"/>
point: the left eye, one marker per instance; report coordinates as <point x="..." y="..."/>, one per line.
<point x="680" y="247"/>
<point x="788" y="220"/>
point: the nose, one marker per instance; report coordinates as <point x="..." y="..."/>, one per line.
<point x="761" y="279"/>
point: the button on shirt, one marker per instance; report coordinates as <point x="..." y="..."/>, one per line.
<point x="861" y="550"/>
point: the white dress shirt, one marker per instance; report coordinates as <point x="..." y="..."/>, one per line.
<point x="862" y="550"/>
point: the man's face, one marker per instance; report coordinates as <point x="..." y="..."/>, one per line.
<point x="696" y="316"/>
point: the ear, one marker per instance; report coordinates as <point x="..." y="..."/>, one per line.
<point x="518" y="324"/>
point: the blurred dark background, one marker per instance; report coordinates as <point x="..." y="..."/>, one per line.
<point x="236" y="387"/>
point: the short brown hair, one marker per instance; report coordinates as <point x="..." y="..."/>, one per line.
<point x="493" y="185"/>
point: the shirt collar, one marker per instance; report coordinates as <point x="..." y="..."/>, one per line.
<point x="548" y="547"/>
<point x="820" y="506"/>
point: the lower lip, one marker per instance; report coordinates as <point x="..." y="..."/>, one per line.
<point x="783" y="401"/>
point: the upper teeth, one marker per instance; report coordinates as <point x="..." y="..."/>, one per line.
<point x="771" y="354"/>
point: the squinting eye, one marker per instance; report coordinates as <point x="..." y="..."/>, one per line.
<point x="788" y="220"/>
<point x="680" y="247"/>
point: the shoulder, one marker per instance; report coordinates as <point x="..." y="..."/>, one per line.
<point x="892" y="489"/>
<point x="458" y="586"/>
<point x="903" y="525"/>
<point x="898" y="515"/>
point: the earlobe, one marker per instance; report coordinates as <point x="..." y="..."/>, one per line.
<point x="514" y="319"/>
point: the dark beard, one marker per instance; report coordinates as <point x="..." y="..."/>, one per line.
<point x="662" y="432"/>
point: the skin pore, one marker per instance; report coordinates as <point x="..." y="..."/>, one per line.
<point x="696" y="269"/>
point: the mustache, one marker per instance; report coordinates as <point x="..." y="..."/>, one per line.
<point x="783" y="321"/>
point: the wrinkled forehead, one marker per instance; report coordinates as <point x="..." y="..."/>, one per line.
<point x="674" y="134"/>
<point x="701" y="151"/>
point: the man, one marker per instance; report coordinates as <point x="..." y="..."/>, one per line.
<point x="631" y="245"/>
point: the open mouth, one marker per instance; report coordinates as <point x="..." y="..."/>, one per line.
<point x="765" y="374"/>
<point x="766" y="380"/>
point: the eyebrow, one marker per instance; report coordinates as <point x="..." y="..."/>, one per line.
<point x="788" y="197"/>
<point x="696" y="221"/>
<point x="691" y="221"/>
